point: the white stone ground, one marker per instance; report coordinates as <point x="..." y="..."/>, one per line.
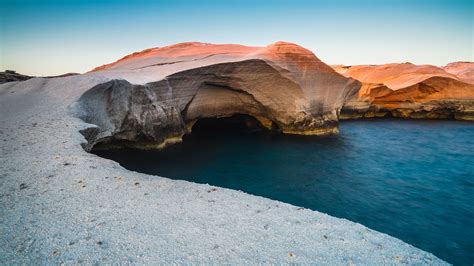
<point x="60" y="204"/>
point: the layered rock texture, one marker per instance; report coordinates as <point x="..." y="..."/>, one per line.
<point x="411" y="91"/>
<point x="164" y="91"/>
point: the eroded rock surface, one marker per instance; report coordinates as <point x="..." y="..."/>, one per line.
<point x="410" y="91"/>
<point x="284" y="86"/>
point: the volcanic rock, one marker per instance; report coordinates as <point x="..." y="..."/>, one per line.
<point x="410" y="91"/>
<point x="284" y="86"/>
<point x="55" y="220"/>
<point x="463" y="70"/>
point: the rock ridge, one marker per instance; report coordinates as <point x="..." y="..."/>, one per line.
<point x="410" y="91"/>
<point x="283" y="85"/>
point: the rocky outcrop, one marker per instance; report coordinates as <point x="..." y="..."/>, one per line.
<point x="10" y="75"/>
<point x="284" y="86"/>
<point x="410" y="91"/>
<point x="463" y="70"/>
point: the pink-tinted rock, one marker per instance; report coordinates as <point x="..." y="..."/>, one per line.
<point x="283" y="85"/>
<point x="463" y="70"/>
<point x="411" y="91"/>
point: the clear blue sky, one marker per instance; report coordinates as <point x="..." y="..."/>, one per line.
<point x="47" y="37"/>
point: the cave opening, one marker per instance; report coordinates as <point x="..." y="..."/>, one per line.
<point x="234" y="126"/>
<point x="237" y="124"/>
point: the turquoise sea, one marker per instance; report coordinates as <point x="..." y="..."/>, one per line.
<point x="413" y="180"/>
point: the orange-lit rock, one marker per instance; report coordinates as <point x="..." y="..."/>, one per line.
<point x="463" y="70"/>
<point x="283" y="85"/>
<point x="411" y="91"/>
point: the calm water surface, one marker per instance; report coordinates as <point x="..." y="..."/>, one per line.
<point x="410" y="179"/>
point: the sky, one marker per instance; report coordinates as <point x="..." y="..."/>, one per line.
<point x="51" y="37"/>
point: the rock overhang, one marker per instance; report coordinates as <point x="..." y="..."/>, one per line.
<point x="282" y="85"/>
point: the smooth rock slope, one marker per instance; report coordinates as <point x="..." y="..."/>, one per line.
<point x="60" y="204"/>
<point x="411" y="91"/>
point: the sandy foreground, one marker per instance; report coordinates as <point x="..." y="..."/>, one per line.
<point x="60" y="204"/>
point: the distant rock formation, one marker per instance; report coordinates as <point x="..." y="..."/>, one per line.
<point x="411" y="91"/>
<point x="10" y="75"/>
<point x="463" y="70"/>
<point x="284" y="86"/>
<point x="62" y="75"/>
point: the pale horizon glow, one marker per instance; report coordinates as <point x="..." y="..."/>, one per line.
<point x="53" y="37"/>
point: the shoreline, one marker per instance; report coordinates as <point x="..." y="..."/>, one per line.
<point x="403" y="119"/>
<point x="60" y="204"/>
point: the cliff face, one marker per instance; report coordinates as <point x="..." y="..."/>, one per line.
<point x="411" y="91"/>
<point x="284" y="86"/>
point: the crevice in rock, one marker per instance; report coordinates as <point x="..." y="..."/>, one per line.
<point x="181" y="61"/>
